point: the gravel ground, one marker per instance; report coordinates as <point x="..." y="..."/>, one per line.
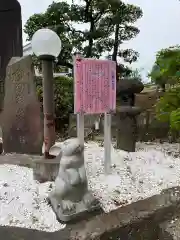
<point x="135" y="176"/>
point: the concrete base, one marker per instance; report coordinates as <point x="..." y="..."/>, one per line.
<point x="80" y="211"/>
<point x="126" y="136"/>
<point x="45" y="170"/>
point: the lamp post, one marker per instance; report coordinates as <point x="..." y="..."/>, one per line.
<point x="46" y="45"/>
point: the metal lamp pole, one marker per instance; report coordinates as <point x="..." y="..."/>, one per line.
<point x="48" y="104"/>
<point x="46" y="45"/>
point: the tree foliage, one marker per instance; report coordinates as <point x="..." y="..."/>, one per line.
<point x="135" y="74"/>
<point x="63" y="98"/>
<point x="91" y="27"/>
<point x="166" y="68"/>
<point x="167" y="108"/>
<point x="56" y="18"/>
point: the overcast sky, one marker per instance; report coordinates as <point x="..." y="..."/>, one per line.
<point x="159" y="26"/>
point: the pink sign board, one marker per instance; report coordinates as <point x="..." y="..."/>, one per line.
<point x="95" y="86"/>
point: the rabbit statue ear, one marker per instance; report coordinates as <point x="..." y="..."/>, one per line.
<point x="43" y="148"/>
<point x="56" y="149"/>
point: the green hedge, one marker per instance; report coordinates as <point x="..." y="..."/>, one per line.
<point x="63" y="98"/>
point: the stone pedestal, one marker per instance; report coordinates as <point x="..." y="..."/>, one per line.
<point x="71" y="199"/>
<point x="127" y="113"/>
<point x="127" y="128"/>
<point x="45" y="170"/>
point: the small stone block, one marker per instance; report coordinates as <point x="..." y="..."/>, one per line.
<point x="80" y="210"/>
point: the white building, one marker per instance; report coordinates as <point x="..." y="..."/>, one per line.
<point x="27" y="50"/>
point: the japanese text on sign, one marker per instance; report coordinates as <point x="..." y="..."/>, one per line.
<point x="95" y="86"/>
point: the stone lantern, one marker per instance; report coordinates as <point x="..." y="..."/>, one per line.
<point x="127" y="113"/>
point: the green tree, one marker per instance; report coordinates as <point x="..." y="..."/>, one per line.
<point x="108" y="24"/>
<point x="157" y="78"/>
<point x="168" y="108"/>
<point x="63" y="98"/>
<point x="91" y="13"/>
<point x="120" y="22"/>
<point x="166" y="68"/>
<point x="166" y="71"/>
<point x="135" y="74"/>
<point x="57" y="18"/>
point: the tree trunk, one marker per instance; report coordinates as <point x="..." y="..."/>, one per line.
<point x="115" y="49"/>
<point x="116" y="40"/>
<point x="92" y="27"/>
<point x="163" y="86"/>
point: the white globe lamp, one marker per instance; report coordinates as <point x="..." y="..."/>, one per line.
<point x="46" y="42"/>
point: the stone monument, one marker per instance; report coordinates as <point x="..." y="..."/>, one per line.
<point x="21" y="122"/>
<point x="127" y="113"/>
<point x="71" y="198"/>
<point x="11" y="33"/>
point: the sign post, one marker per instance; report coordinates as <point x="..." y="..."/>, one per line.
<point x="95" y="93"/>
<point x="107" y="142"/>
<point x="80" y="115"/>
<point x="80" y="127"/>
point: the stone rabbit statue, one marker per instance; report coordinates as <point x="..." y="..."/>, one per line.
<point x="70" y="196"/>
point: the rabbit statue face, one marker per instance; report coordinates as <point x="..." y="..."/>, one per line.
<point x="72" y="146"/>
<point x="73" y="154"/>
